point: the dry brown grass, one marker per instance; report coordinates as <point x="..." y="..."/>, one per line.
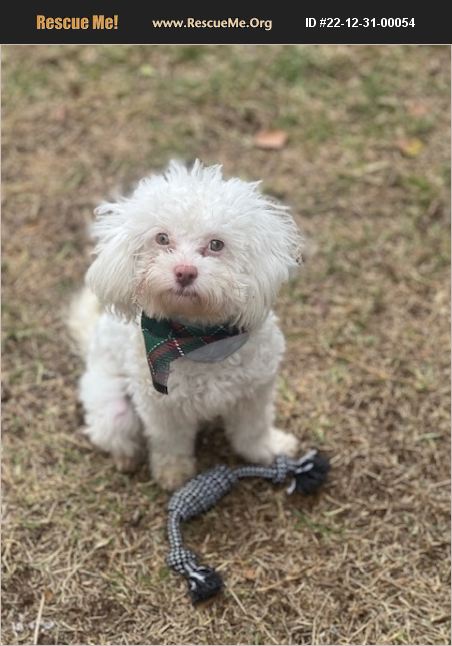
<point x="366" y="377"/>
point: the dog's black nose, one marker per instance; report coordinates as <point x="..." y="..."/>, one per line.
<point x="185" y="274"/>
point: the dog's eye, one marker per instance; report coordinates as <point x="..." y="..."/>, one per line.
<point x="216" y="245"/>
<point x="162" y="238"/>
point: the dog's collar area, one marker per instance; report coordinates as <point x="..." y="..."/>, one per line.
<point x="167" y="340"/>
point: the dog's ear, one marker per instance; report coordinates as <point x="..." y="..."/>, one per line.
<point x="112" y="274"/>
<point x="288" y="243"/>
<point x="298" y="254"/>
<point x="275" y="254"/>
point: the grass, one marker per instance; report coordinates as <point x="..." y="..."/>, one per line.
<point x="366" y="376"/>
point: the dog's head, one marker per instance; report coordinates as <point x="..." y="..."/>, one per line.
<point x="193" y="245"/>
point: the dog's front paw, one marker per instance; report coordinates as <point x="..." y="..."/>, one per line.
<point x="171" y="471"/>
<point x="127" y="463"/>
<point x="268" y="446"/>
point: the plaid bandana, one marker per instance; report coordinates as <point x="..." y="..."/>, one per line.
<point x="167" y="340"/>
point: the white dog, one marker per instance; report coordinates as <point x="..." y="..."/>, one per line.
<point x="198" y="261"/>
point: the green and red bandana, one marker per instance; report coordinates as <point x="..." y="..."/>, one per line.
<point x="166" y="340"/>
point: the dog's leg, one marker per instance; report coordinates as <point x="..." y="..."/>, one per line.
<point x="112" y="423"/>
<point x="172" y="445"/>
<point x="249" y="426"/>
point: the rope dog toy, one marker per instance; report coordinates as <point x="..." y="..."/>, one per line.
<point x="202" y="492"/>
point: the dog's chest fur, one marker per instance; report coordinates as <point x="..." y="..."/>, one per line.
<point x="197" y="388"/>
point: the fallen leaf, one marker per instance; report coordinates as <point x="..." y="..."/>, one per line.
<point x="249" y="574"/>
<point x="48" y="594"/>
<point x="60" y="113"/>
<point x="146" y="70"/>
<point x="410" y="147"/>
<point x="417" y="109"/>
<point x="270" y="139"/>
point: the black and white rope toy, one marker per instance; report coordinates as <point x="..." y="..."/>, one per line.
<point x="202" y="492"/>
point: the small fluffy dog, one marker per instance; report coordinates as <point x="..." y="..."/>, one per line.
<point x="175" y="322"/>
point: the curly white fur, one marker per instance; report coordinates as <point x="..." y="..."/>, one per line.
<point x="238" y="284"/>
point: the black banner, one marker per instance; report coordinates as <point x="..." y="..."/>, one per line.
<point x="149" y="23"/>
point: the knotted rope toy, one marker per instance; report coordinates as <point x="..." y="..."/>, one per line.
<point x="202" y="492"/>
